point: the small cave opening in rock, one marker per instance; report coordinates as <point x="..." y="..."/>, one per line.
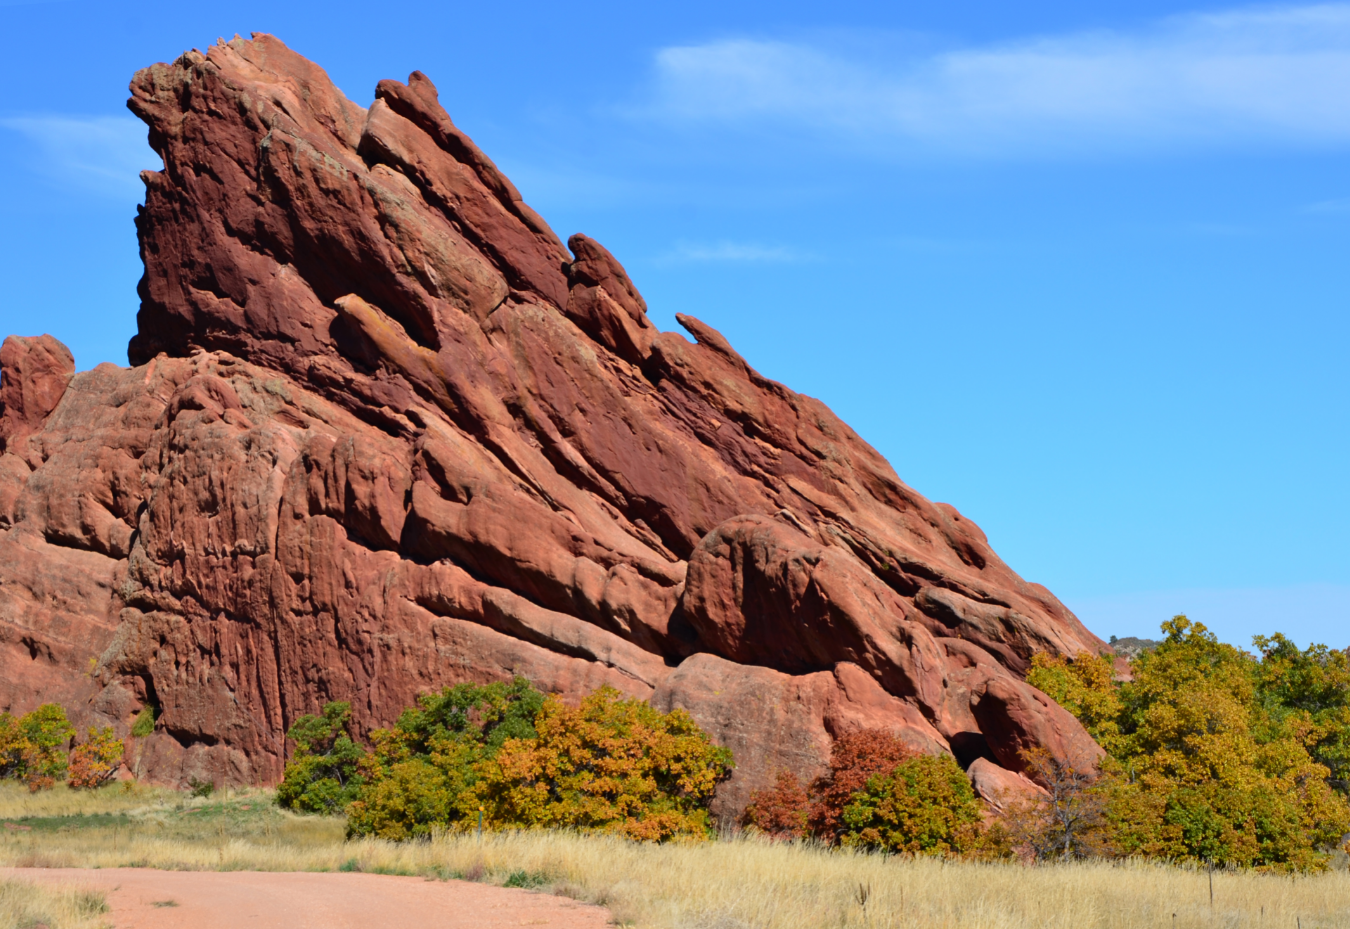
<point x="968" y="746"/>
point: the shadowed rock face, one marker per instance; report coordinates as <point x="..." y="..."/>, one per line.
<point x="384" y="433"/>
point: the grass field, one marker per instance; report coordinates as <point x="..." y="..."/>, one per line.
<point x="718" y="885"/>
<point x="24" y="905"/>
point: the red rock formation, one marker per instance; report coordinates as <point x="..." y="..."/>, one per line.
<point x="34" y="374"/>
<point x="385" y="432"/>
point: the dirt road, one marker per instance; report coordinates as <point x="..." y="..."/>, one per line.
<point x="148" y="899"/>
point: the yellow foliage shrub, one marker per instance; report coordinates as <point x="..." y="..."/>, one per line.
<point x="1210" y="753"/>
<point x="32" y="746"/>
<point x="95" y="761"/>
<point x="611" y="764"/>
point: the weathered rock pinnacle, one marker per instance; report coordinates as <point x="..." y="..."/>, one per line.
<point x="384" y="432"/>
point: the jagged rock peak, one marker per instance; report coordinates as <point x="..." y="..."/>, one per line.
<point x="383" y="432"/>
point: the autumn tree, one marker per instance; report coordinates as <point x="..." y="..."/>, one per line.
<point x="855" y="758"/>
<point x="515" y="758"/>
<point x="1069" y="819"/>
<point x="95" y="761"/>
<point x="32" y="746"/>
<point x="880" y="793"/>
<point x="1306" y="692"/>
<point x="612" y="764"/>
<point x="782" y="811"/>
<point x="1085" y="686"/>
<point x="1212" y="750"/>
<point x="416" y="777"/>
<point x="923" y="805"/>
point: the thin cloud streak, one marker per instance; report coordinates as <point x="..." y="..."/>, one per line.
<point x="1341" y="205"/>
<point x="102" y="154"/>
<point x="689" y="252"/>
<point x="1263" y="77"/>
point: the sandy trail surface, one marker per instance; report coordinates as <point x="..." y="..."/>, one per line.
<point x="143" y="898"/>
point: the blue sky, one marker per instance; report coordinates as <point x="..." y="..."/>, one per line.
<point x="1080" y="270"/>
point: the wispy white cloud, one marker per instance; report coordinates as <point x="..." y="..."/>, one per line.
<point x="103" y="154"/>
<point x="1264" y="76"/>
<point x="731" y="252"/>
<point x="1341" y="205"/>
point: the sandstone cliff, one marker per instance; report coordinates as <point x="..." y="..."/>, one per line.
<point x="383" y="432"/>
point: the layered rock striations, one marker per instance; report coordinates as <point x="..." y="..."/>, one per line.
<point x="384" y="432"/>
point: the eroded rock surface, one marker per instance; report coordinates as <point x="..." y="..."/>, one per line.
<point x="384" y="432"/>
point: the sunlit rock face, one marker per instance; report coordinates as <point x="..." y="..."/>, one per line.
<point x="384" y="432"/>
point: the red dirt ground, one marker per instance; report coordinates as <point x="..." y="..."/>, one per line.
<point x="298" y="900"/>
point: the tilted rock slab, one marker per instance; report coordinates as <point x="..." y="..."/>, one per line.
<point x="385" y="433"/>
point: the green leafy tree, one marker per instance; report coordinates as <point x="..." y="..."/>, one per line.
<point x="924" y="805"/>
<point x="488" y="714"/>
<point x="144" y="723"/>
<point x="418" y="773"/>
<point x="32" y="746"/>
<point x="880" y="793"/>
<point x="1307" y="694"/>
<point x="323" y="775"/>
<point x="1213" y="750"/>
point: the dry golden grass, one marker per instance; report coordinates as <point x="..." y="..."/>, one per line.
<point x="718" y="885"/>
<point x="17" y="802"/>
<point x="24" y="905"/>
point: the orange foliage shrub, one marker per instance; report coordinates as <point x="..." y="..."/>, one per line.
<point x="611" y="764"/>
<point x="781" y="811"/>
<point x="787" y="810"/>
<point x="95" y="761"/>
<point x="857" y="757"/>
